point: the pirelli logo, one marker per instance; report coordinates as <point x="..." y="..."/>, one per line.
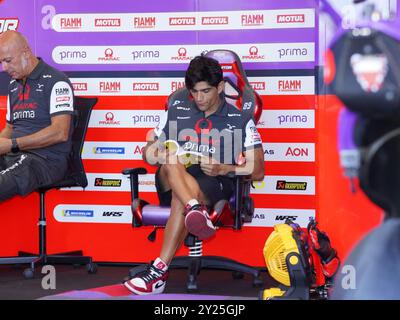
<point x="101" y="182"/>
<point x="286" y="185"/>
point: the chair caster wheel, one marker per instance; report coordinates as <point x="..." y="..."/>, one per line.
<point x="29" y="273"/>
<point x="191" y="287"/>
<point x="258" y="281"/>
<point x="237" y="275"/>
<point x="91" y="268"/>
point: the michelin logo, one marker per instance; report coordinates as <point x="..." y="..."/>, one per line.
<point x="108" y="150"/>
<point x="78" y="213"/>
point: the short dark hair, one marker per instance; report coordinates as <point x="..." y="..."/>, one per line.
<point x="203" y="68"/>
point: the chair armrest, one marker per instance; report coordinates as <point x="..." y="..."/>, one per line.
<point x="134" y="177"/>
<point x="136" y="171"/>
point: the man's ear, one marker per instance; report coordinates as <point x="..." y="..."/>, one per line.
<point x="221" y="86"/>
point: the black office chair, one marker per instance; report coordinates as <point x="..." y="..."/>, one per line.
<point x="230" y="214"/>
<point x="376" y="258"/>
<point x="75" y="177"/>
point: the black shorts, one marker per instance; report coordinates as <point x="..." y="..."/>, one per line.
<point x="23" y="172"/>
<point x="214" y="188"/>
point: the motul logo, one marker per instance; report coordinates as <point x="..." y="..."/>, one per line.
<point x="258" y="85"/>
<point x="289" y="85"/>
<point x="290" y="18"/>
<point x="175" y="85"/>
<point x="110" y="86"/>
<point x="143" y="86"/>
<point x="144" y="22"/>
<point x="252" y="19"/>
<point x="107" y="22"/>
<point x="80" y="86"/>
<point x="8" y="24"/>
<point x="297" y="152"/>
<point x="71" y="23"/>
<point x="214" y="20"/>
<point x="182" y="21"/>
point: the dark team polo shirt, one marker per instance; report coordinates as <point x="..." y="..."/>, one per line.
<point x="47" y="92"/>
<point x="223" y="135"/>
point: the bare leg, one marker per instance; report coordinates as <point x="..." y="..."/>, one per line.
<point x="175" y="231"/>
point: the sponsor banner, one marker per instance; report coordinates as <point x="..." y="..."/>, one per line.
<point x="291" y="185"/>
<point x="172" y="54"/>
<point x="289" y="152"/>
<point x="125" y="118"/>
<point x="113" y="150"/>
<point x="269" y="217"/>
<point x="287" y="119"/>
<point x="184" y="21"/>
<point x="83" y="213"/>
<point x="8" y="24"/>
<point x="165" y="86"/>
<point x="115" y="182"/>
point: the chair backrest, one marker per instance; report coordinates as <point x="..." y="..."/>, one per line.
<point x="238" y="91"/>
<point x="380" y="174"/>
<point x="82" y="110"/>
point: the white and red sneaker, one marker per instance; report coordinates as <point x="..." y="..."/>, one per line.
<point x="150" y="281"/>
<point x="198" y="223"/>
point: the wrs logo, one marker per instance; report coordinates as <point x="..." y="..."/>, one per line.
<point x="182" y="55"/>
<point x="254" y="54"/>
<point x="8" y="24"/>
<point x="108" y="55"/>
<point x="70" y="23"/>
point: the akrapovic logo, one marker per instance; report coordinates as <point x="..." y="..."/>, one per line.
<point x="78" y="213"/>
<point x="101" y="182"/>
<point x="286" y="185"/>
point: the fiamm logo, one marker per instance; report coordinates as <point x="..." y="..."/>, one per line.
<point x="78" y="213"/>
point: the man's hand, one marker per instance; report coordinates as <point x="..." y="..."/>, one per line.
<point x="5" y="145"/>
<point x="211" y="167"/>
